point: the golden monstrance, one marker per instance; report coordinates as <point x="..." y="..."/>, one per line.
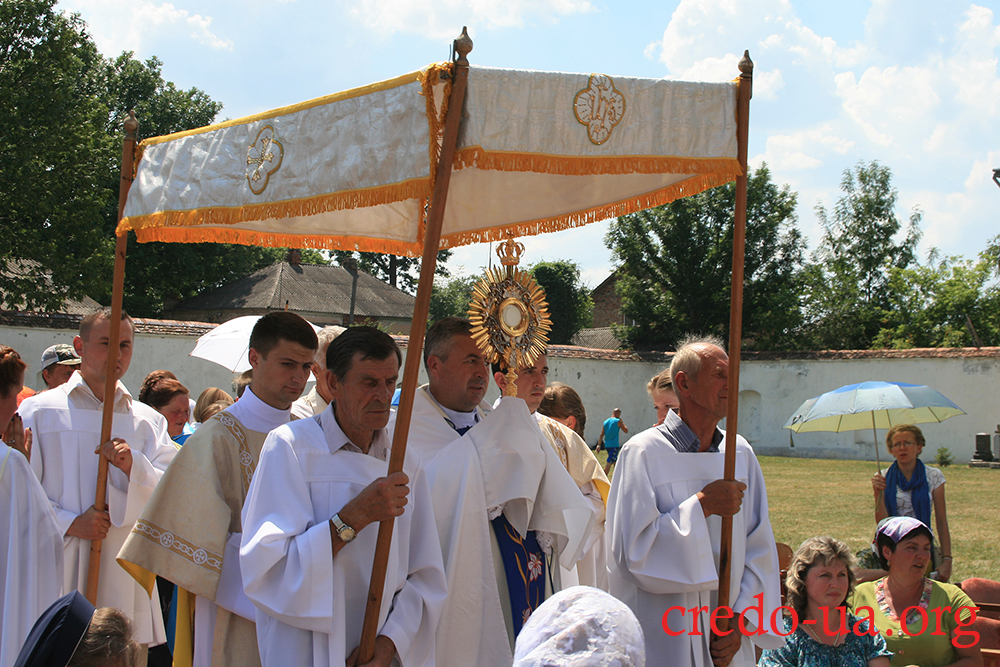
<point x="509" y="314"/>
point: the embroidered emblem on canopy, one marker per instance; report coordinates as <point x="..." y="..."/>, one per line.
<point x="263" y="159"/>
<point x="600" y="107"/>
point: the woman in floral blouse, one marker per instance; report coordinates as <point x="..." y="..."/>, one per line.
<point x="924" y="622"/>
<point x="822" y="632"/>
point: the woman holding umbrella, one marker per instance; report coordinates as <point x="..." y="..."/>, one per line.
<point x="909" y="488"/>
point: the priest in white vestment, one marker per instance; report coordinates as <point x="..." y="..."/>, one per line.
<point x="191" y="529"/>
<point x="318" y="397"/>
<point x="31" y="544"/>
<point x="487" y="466"/>
<point x="66" y="425"/>
<point x="664" y="517"/>
<point x="580" y="463"/>
<point x="310" y="525"/>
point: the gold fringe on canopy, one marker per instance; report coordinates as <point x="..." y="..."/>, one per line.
<point x="582" y="165"/>
<point x="276" y="239"/>
<point x="337" y="201"/>
<point x="685" y="188"/>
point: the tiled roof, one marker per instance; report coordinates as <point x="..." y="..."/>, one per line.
<point x="13" y="318"/>
<point x="29" y="268"/>
<point x="313" y="288"/>
<point x="600" y="338"/>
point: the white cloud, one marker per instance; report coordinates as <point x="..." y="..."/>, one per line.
<point x="438" y="20"/>
<point x="804" y="149"/>
<point x="119" y="25"/>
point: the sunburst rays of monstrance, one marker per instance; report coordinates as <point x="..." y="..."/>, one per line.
<point x="509" y="314"/>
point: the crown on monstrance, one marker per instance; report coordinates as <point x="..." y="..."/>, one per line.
<point x="510" y="252"/>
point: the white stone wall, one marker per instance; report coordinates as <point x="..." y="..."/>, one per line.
<point x="770" y="391"/>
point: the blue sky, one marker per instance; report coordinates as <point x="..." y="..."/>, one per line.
<point x="912" y="83"/>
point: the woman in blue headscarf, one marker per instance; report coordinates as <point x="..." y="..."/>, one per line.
<point x="909" y="488"/>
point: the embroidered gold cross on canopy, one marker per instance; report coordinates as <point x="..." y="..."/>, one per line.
<point x="537" y="152"/>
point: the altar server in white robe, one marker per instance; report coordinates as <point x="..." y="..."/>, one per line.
<point x="310" y="525"/>
<point x="664" y="516"/>
<point x="66" y="425"/>
<point x="31" y="543"/>
<point x="580" y="463"/>
<point x="488" y="466"/>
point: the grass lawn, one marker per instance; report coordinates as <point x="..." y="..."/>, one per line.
<point x="810" y="497"/>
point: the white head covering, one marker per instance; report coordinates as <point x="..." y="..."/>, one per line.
<point x="581" y="627"/>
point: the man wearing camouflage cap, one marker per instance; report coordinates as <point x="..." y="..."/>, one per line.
<point x="58" y="363"/>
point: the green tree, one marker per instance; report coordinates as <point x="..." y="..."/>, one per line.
<point x="847" y="288"/>
<point x="399" y="271"/>
<point x="933" y="305"/>
<point x="676" y="267"/>
<point x="570" y="305"/>
<point x="53" y="158"/>
<point x="450" y="298"/>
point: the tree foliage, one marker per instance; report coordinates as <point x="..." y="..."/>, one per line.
<point x="53" y="158"/>
<point x="399" y="271"/>
<point x="450" y="298"/>
<point x="933" y="305"/>
<point x="847" y="287"/>
<point x="570" y="305"/>
<point x="676" y="267"/>
<point x="62" y="105"/>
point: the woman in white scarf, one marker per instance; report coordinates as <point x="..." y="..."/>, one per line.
<point x="581" y="627"/>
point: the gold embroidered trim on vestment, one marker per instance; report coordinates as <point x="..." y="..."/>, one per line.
<point x="178" y="545"/>
<point x="246" y="458"/>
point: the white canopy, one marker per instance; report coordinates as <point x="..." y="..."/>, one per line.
<point x="537" y="152"/>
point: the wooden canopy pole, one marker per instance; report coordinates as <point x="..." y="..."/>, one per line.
<point x="745" y="91"/>
<point x="114" y="338"/>
<point x="421" y="310"/>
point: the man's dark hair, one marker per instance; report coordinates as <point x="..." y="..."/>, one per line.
<point x="282" y="325"/>
<point x="369" y="341"/>
<point x="437" y="342"/>
<point x="500" y="367"/>
<point x="87" y="323"/>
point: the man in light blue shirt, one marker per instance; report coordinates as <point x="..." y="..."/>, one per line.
<point x="609" y="438"/>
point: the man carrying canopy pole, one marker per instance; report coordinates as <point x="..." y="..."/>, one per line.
<point x="308" y="542"/>
<point x="80" y="417"/>
<point x="663" y="563"/>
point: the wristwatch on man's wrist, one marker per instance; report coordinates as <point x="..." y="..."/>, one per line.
<point x="344" y="532"/>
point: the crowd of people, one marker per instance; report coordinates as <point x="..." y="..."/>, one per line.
<point x="243" y="532"/>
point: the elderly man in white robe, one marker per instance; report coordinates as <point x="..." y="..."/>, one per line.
<point x="190" y="530"/>
<point x="66" y="425"/>
<point x="495" y="477"/>
<point x="664" y="516"/>
<point x="580" y="463"/>
<point x="309" y="528"/>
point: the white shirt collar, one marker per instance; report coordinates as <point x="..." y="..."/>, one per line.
<point x="257" y="415"/>
<point x="77" y="385"/>
<point x="336" y="439"/>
